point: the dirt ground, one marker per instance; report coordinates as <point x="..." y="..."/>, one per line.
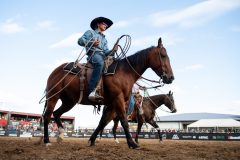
<point x="76" y="148"/>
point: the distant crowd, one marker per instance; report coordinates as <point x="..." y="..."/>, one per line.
<point x="33" y="125"/>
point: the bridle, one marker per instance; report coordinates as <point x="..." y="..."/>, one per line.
<point x="161" y="61"/>
<point x="171" y="101"/>
<point x="163" y="73"/>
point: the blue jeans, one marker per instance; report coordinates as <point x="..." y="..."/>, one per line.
<point x="131" y="104"/>
<point x="97" y="60"/>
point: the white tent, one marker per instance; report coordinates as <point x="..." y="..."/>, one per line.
<point x="212" y="123"/>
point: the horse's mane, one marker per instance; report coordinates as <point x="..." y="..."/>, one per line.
<point x="155" y="97"/>
<point x="139" y="56"/>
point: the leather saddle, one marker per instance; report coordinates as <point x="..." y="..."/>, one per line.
<point x="84" y="71"/>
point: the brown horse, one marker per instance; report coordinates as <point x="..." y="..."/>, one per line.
<point x="117" y="89"/>
<point x="149" y="106"/>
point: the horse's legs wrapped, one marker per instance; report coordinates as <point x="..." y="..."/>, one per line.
<point x="57" y="114"/>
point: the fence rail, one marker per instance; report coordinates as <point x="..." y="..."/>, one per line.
<point x="145" y="135"/>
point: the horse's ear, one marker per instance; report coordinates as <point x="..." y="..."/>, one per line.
<point x="170" y="93"/>
<point x="160" y="42"/>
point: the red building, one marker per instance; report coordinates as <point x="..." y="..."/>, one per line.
<point x="12" y="120"/>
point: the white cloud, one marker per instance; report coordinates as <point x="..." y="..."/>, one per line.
<point x="195" y="15"/>
<point x="69" y="41"/>
<point x="11" y="27"/>
<point x="145" y="41"/>
<point x="46" y="25"/>
<point x="167" y="40"/>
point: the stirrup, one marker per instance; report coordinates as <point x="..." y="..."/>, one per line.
<point x="93" y="96"/>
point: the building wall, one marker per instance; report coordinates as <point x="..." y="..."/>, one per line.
<point x="167" y="125"/>
<point x="170" y="125"/>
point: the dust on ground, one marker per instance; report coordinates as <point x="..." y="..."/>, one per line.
<point x="107" y="149"/>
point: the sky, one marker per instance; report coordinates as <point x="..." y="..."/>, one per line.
<point x="201" y="38"/>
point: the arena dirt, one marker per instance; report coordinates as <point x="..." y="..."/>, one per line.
<point x="107" y="149"/>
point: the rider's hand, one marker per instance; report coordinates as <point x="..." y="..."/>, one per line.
<point x="96" y="42"/>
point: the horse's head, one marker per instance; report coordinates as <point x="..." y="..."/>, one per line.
<point x="160" y="63"/>
<point x="169" y="102"/>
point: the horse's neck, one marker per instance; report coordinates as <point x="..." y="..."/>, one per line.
<point x="157" y="100"/>
<point x="137" y="63"/>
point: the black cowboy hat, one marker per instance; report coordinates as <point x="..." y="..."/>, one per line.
<point x="99" y="20"/>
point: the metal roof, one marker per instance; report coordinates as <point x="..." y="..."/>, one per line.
<point x="197" y="116"/>
<point x="215" y="123"/>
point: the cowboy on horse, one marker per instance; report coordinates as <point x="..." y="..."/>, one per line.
<point x="97" y="50"/>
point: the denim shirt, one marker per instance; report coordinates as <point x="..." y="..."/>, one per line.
<point x="102" y="48"/>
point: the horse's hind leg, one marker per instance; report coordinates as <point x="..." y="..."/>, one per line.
<point x="107" y="116"/>
<point x="47" y="117"/>
<point x="57" y="114"/>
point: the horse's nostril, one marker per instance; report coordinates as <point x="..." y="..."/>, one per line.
<point x="172" y="77"/>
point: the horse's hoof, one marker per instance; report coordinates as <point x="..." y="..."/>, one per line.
<point x="116" y="140"/>
<point x="48" y="144"/>
<point x="39" y="141"/>
<point x="92" y="143"/>
<point x="59" y="139"/>
<point x="133" y="146"/>
<point x="97" y="140"/>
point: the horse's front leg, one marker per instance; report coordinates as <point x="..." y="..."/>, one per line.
<point x="57" y="114"/>
<point x="140" y="123"/>
<point x="154" y="124"/>
<point x="121" y="113"/>
<point x="107" y="116"/>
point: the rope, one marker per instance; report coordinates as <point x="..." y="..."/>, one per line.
<point x="125" y="48"/>
<point x="77" y="60"/>
<point x="124" y="51"/>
